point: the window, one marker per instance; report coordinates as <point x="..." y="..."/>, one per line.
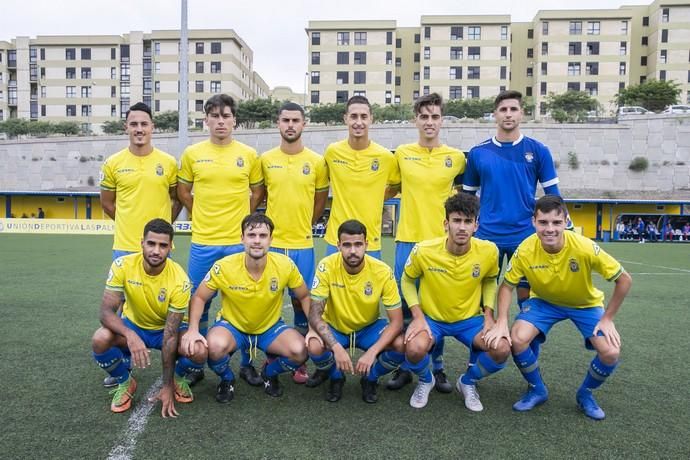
<point x="545" y="48"/>
<point x="199" y="67"/>
<point x="455" y="92"/>
<point x="643" y="79"/>
<point x="43" y="91"/>
<point x="415" y="76"/>
<point x="662" y="75"/>
<point x="315" y="77"/>
<point x="473" y="92"/>
<point x="455" y="53"/>
<point x="427" y="33"/>
<point x="593" y="27"/>
<point x="504" y="32"/>
<point x="504" y="53"/>
<point x="215" y="47"/>
<point x="396" y="100"/>
<point x="199" y="47"/>
<point x="573" y="68"/>
<point x="343" y="57"/>
<point x="389" y="57"/>
<point x="663" y="56"/>
<point x="398" y="43"/>
<point x="545" y="27"/>
<point x="456" y="32"/>
<point x="621" y="85"/>
<point x="85" y="91"/>
<point x="528" y="91"/>
<point x="455" y="73"/>
<point x="530" y="53"/>
<point x="592" y="68"/>
<point x="70" y="55"/>
<point x="645" y="41"/>
<point x="341" y="97"/>
<point x="664" y="14"/>
<point x="621" y="68"/>
<point x="473" y="53"/>
<point x="315" y="40"/>
<point x="156" y="49"/>
<point x="389" y="38"/>
<point x="389" y="97"/>
<point x="643" y="60"/>
<point x="360" y="77"/>
<point x="70" y="73"/>
<point x="71" y="110"/>
<point x="624" y="48"/>
<point x="530" y="72"/>
<point x="85" y="54"/>
<point x="503" y="72"/>
<point x="43" y="74"/>
<point x="86" y="110"/>
<point x="542" y="88"/>
<point x="574" y="48"/>
<point x="389" y="77"/>
<point x="360" y="57"/>
<point x="415" y="94"/>
<point x="43" y="111"/>
<point x="198" y="86"/>
<point x="398" y="62"/>
<point x="624" y="27"/>
<point x="664" y="36"/>
<point x="43" y="54"/>
<point x="315" y="57"/>
<point x="417" y="39"/>
<point x="342" y="78"/>
<point x="314" y="97"/>
<point x="70" y="91"/>
<point x="360" y="38"/>
<point x="427" y="72"/>
<point x="592" y="88"/>
<point x="343" y="38"/>
<point x="474" y="33"/>
<point x="113" y="91"/>
<point x="425" y="90"/>
<point x="113" y="73"/>
<point x="427" y="53"/>
<point x="530" y="33"/>
<point x="473" y="73"/>
<point x="544" y="68"/>
<point x="215" y="67"/>
<point x="645" y="21"/>
<point x="215" y="87"/>
<point x="592" y="48"/>
<point x="575" y="28"/>
<point x="85" y="72"/>
<point x="113" y="53"/>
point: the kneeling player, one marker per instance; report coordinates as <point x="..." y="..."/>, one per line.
<point x="559" y="266"/>
<point x="252" y="285"/>
<point x="353" y="283"/>
<point x="457" y="276"/>
<point x="156" y="293"/>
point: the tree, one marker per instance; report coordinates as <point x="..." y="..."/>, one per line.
<point x="68" y="128"/>
<point x="571" y="106"/>
<point x="166" y="121"/>
<point x="393" y="112"/>
<point x="469" y="108"/>
<point x="653" y="95"/>
<point x="14" y="127"/>
<point x="327" y="113"/>
<point x="113" y="127"/>
<point x="253" y="111"/>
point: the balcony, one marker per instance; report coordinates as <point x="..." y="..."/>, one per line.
<point x="12" y="100"/>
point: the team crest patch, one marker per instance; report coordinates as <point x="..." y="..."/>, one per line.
<point x="162" y="294"/>
<point x="529" y="156"/>
<point x="159" y="169"/>
<point x="368" y="288"/>
<point x="240" y="162"/>
<point x="186" y="286"/>
<point x="449" y="162"/>
<point x="322" y="268"/>
<point x="375" y="165"/>
<point x="306" y="169"/>
<point x="475" y="271"/>
<point x="574" y="267"/>
<point x="274" y="284"/>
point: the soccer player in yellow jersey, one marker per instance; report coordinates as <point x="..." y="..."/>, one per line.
<point x="297" y="184"/>
<point x="363" y="175"/>
<point x="344" y="312"/>
<point x="138" y="183"/>
<point x="153" y="292"/>
<point x="558" y="266"/>
<point x="221" y="171"/>
<point x="457" y="280"/>
<point x="427" y="171"/>
<point x="252" y="285"/>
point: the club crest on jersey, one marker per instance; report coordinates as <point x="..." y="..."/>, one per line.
<point x="274" y="284"/>
<point x="475" y="271"/>
<point x="368" y="288"/>
<point x="240" y="162"/>
<point x="322" y="268"/>
<point x="306" y="169"/>
<point x="574" y="267"/>
<point x="375" y="165"/>
<point x="529" y="156"/>
<point x="159" y="169"/>
<point x="161" y="295"/>
<point x="449" y="162"/>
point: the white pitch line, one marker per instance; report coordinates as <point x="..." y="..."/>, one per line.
<point x="660" y="274"/>
<point x="124" y="449"/>
<point x="655" y="266"/>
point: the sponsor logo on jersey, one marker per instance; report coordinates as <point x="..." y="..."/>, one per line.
<point x="340" y="162"/>
<point x="538" y="267"/>
<point x="159" y="169"/>
<point x="240" y="162"/>
<point x="437" y="270"/>
<point x="574" y="267"/>
<point x="135" y="282"/>
<point x="161" y="295"/>
<point x="274" y="284"/>
<point x="375" y="164"/>
<point x="306" y="169"/>
<point x="412" y="158"/>
<point x="275" y="167"/>
<point x="475" y="271"/>
<point x="315" y="283"/>
<point x="449" y="162"/>
<point x="125" y="170"/>
<point x="368" y="288"/>
<point x="529" y="156"/>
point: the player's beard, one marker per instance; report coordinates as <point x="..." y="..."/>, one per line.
<point x="353" y="261"/>
<point x="153" y="264"/>
<point x="291" y="140"/>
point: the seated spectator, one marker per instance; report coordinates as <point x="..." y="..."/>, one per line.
<point x="678" y="234"/>
<point x="668" y="232"/>
<point x="686" y="231"/>
<point x="652" y="232"/>
<point x="620" y="230"/>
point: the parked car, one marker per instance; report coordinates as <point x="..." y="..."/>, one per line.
<point x="451" y="119"/>
<point x="677" y="109"/>
<point x="489" y="116"/>
<point x="632" y="110"/>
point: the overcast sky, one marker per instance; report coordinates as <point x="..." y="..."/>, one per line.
<point x="274" y="29"/>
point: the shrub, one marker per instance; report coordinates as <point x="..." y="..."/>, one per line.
<point x="573" y="161"/>
<point x="639" y="164"/>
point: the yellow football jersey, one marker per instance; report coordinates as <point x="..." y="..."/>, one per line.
<point x="358" y="180"/>
<point x="148" y="299"/>
<point x="353" y="300"/>
<point x="222" y="176"/>
<point x="427" y="181"/>
<point x="450" y="286"/>
<point x="142" y="192"/>
<point x="291" y="182"/>
<point x="565" y="278"/>
<point x="252" y="306"/>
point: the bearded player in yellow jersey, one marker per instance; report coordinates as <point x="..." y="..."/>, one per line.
<point x="297" y="184"/>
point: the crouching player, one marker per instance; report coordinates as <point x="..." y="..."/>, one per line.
<point x="457" y="277"/>
<point x="153" y="292"/>
<point x="352" y="283"/>
<point x="252" y="284"/>
<point x="559" y="266"/>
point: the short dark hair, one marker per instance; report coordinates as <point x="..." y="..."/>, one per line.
<point x="160" y="226"/>
<point x="549" y="203"/>
<point x="291" y="106"/>
<point x="425" y="101"/>
<point x="462" y="203"/>
<point x="357" y="100"/>
<point x="508" y="94"/>
<point x="254" y="220"/>
<point x="352" y="227"/>
<point x="220" y="101"/>
<point x="139" y="107"/>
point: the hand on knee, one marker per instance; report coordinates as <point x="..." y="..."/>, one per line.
<point x="610" y="356"/>
<point x="102" y="340"/>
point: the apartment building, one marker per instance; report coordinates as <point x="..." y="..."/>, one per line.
<point x="93" y="79"/>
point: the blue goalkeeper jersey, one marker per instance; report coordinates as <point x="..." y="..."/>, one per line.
<point x="506" y="175"/>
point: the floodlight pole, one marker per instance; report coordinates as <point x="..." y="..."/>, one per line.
<point x="183" y="99"/>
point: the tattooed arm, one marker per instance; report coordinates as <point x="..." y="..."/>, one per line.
<point x="342" y="359"/>
<point x="168" y="354"/>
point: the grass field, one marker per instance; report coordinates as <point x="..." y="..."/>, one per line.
<point x="53" y="404"/>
